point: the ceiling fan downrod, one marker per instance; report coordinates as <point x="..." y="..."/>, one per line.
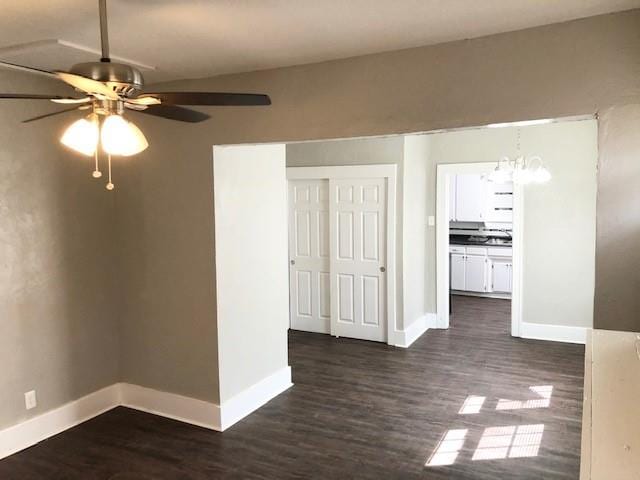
<point x="104" y="30"/>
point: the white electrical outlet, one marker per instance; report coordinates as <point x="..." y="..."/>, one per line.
<point x="30" y="400"/>
<point x="431" y="220"/>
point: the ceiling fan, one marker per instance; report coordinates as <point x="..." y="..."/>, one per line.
<point x="110" y="89"/>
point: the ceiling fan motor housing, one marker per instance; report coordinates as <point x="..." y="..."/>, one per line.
<point x="121" y="78"/>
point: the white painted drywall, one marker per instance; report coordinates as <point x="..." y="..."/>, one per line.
<point x="251" y="264"/>
<point x="559" y="217"/>
<point x="414" y="237"/>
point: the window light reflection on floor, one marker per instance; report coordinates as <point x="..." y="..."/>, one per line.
<point x="509" y="442"/>
<point x="543" y="391"/>
<point x="448" y="448"/>
<point x="471" y="405"/>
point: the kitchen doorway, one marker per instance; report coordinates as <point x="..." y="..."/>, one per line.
<point x="478" y="242"/>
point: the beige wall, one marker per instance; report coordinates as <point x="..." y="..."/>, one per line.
<point x="58" y="299"/>
<point x="165" y="199"/>
<point x="559" y="217"/>
<point x="618" y="220"/>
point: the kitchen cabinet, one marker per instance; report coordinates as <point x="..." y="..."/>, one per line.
<point x="501" y="276"/>
<point x="468" y="272"/>
<point x="481" y="269"/>
<point x="499" y="202"/>
<point x="471" y="197"/>
<point x="475" y="275"/>
<point x="457" y="271"/>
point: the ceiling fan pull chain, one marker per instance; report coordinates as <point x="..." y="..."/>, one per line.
<point x="110" y="184"/>
<point x="96" y="173"/>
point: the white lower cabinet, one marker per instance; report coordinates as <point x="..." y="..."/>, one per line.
<point x="457" y="271"/>
<point x="501" y="273"/>
<point x="476" y="273"/>
<point x="481" y="270"/>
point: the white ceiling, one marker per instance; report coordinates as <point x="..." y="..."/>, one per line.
<point x="198" y="38"/>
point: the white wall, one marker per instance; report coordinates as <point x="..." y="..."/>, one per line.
<point x="416" y="162"/>
<point x="559" y="217"/>
<point x="251" y="264"/>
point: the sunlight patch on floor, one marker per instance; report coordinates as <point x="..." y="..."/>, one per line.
<point x="509" y="442"/>
<point x="447" y="450"/>
<point x="543" y="391"/>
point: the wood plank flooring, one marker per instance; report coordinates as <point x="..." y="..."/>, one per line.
<point x="360" y="410"/>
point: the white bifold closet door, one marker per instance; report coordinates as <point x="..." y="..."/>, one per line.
<point x="337" y="243"/>
<point x="310" y="305"/>
<point x="358" y="246"/>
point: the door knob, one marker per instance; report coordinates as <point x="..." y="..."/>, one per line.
<point x="382" y="269"/>
<point x="293" y="262"/>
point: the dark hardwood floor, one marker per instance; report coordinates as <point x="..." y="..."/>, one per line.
<point x="361" y="410"/>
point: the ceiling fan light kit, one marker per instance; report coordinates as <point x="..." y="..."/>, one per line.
<point x="110" y="90"/>
<point x="82" y="135"/>
<point x="120" y="137"/>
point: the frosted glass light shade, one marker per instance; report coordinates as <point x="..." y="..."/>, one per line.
<point x="501" y="175"/>
<point x="82" y="136"/>
<point x="541" y="175"/>
<point x="522" y="176"/>
<point x="120" y="137"/>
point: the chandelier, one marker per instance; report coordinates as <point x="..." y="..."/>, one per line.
<point x="105" y="129"/>
<point x="520" y="169"/>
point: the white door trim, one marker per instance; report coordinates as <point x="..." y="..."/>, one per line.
<point x="389" y="172"/>
<point x="442" y="242"/>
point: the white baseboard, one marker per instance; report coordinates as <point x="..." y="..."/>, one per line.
<point x="404" y="338"/>
<point x="36" y="429"/>
<point x="178" y="407"/>
<point x="241" y="405"/>
<point x="554" y="333"/>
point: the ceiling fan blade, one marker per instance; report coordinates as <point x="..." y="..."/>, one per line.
<point x="210" y="98"/>
<point x="87" y="85"/>
<point x="144" y="101"/>
<point x="174" y="112"/>
<point x="71" y="101"/>
<point x="22" y="68"/>
<point x="53" y="98"/>
<point x="46" y="115"/>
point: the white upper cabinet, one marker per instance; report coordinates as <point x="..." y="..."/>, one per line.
<point x="499" y="202"/>
<point x="471" y="196"/>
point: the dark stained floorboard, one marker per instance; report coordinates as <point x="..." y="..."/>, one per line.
<point x="358" y="410"/>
